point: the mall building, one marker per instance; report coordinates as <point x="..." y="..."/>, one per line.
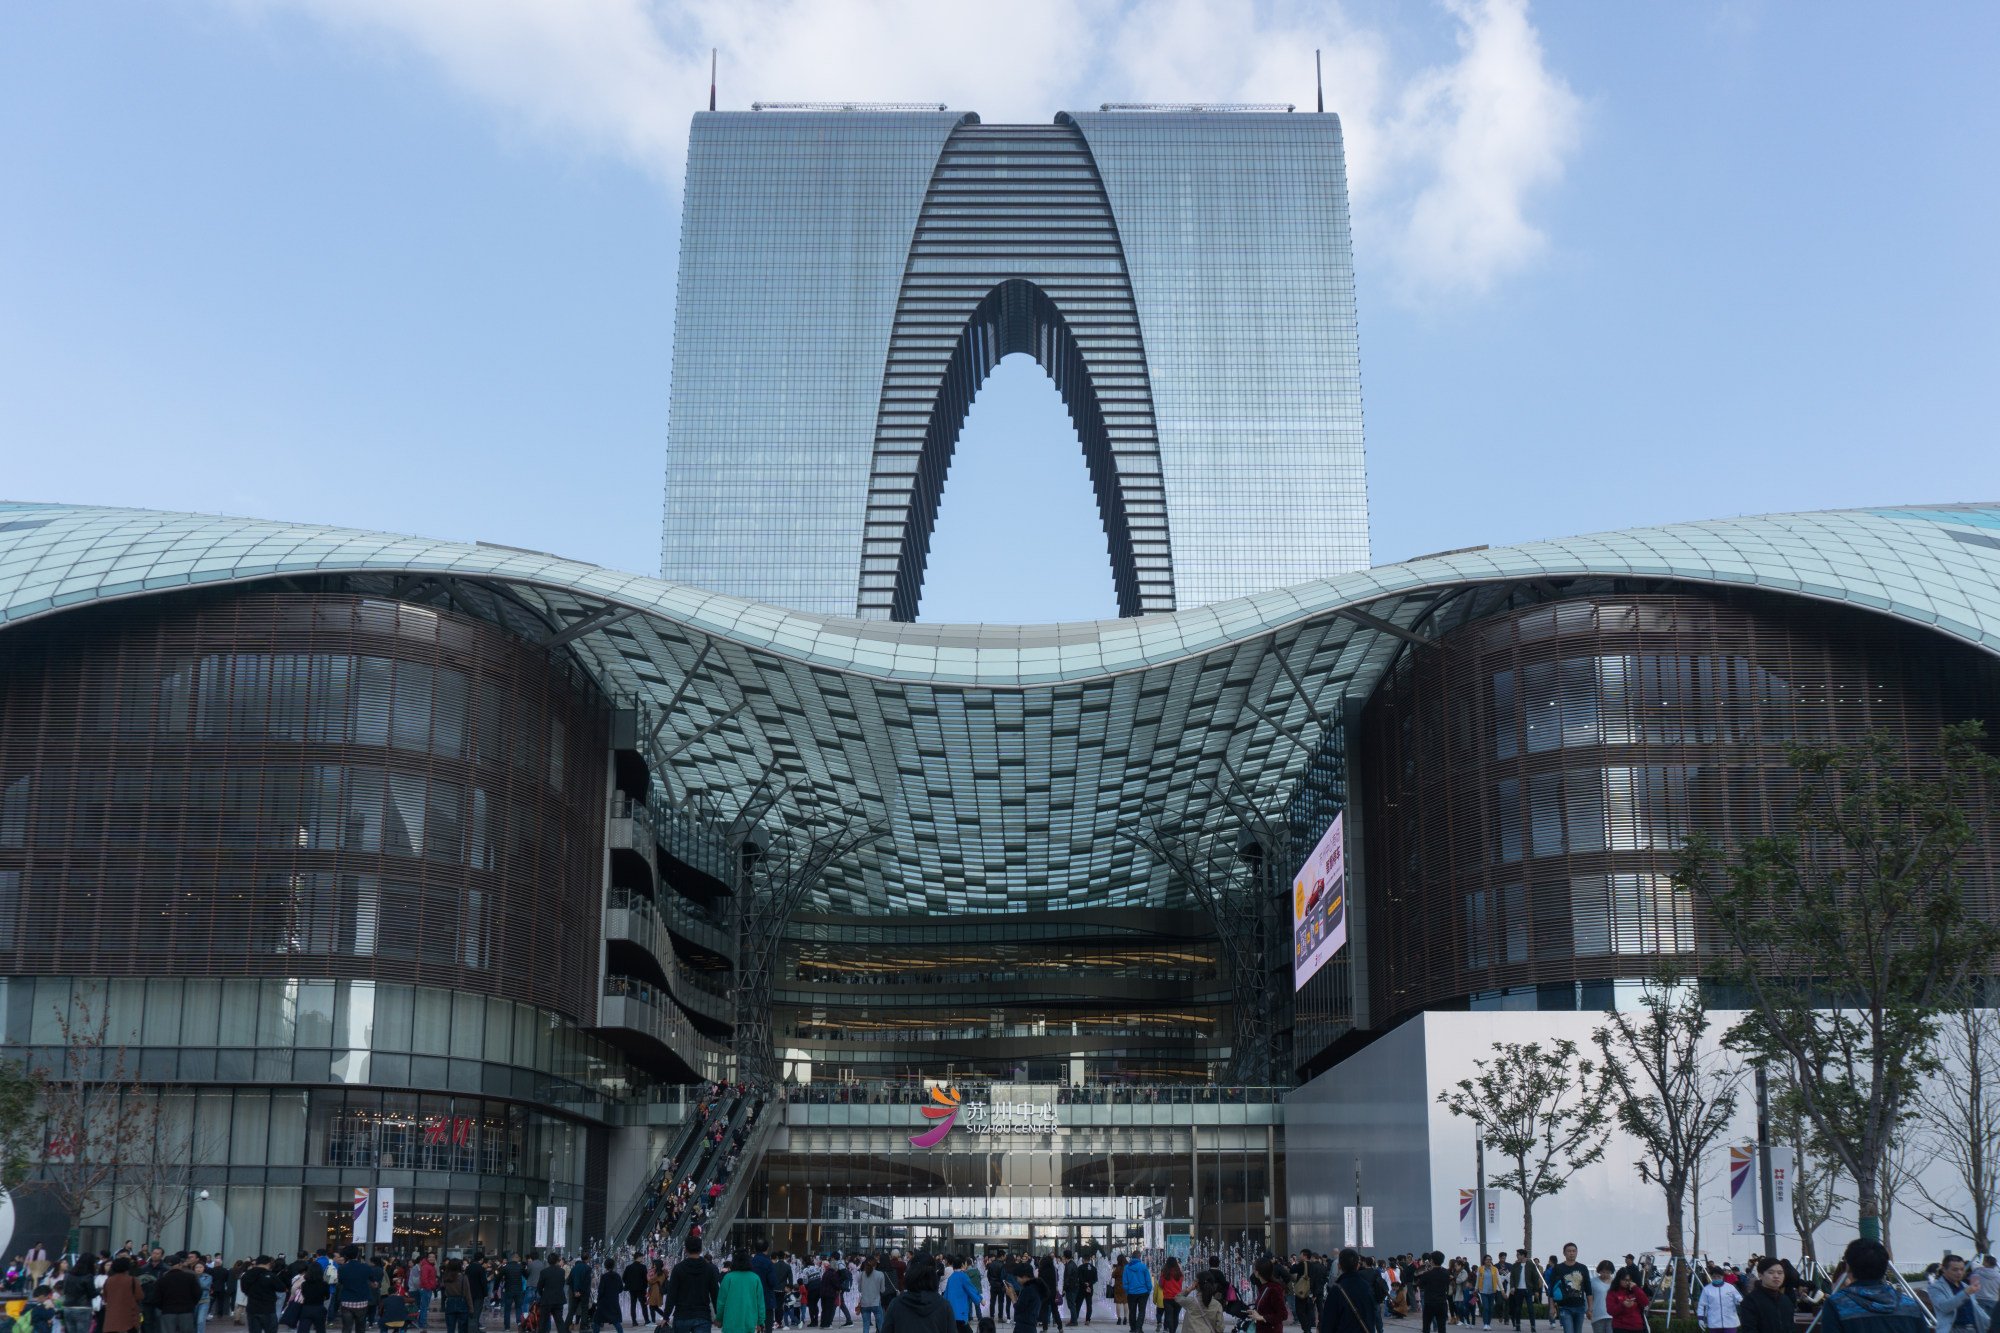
<point x="461" y="870"/>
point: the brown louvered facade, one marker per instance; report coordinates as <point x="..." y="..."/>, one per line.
<point x="1526" y="779"/>
<point x="278" y="784"/>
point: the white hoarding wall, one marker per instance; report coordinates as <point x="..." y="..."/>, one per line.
<point x="1378" y="1111"/>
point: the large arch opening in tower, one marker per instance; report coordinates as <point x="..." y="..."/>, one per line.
<point x="1018" y="539"/>
<point x="1014" y="251"/>
<point x="1016" y="318"/>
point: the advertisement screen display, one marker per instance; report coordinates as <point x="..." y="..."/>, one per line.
<point x="1319" y="905"/>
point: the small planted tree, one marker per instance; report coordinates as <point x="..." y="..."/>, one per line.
<point x="1671" y="1095"/>
<point x="1540" y="1109"/>
<point x="1849" y="933"/>
<point x="93" y="1122"/>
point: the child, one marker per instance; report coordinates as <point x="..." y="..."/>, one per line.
<point x="396" y="1307"/>
<point x="42" y="1314"/>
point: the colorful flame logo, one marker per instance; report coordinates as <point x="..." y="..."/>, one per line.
<point x="944" y="1109"/>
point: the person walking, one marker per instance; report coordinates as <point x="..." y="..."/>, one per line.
<point x="739" y="1298"/>
<point x="691" y="1291"/>
<point x="315" y="1294"/>
<point x="1716" y="1311"/>
<point x="1434" y="1287"/>
<point x="454" y="1291"/>
<point x="551" y="1286"/>
<point x="869" y="1288"/>
<point x="1202" y="1306"/>
<point x="1569" y="1290"/>
<point x="1524" y="1290"/>
<point x="1769" y="1307"/>
<point x="1270" y="1307"/>
<point x="1627" y="1302"/>
<point x="1137" y="1280"/>
<point x="959" y="1293"/>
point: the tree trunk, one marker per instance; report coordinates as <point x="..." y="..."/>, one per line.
<point x="1528" y="1226"/>
<point x="1677" y="1249"/>
<point x="1867" y="1202"/>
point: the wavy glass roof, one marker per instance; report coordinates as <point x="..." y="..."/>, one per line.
<point x="1008" y="763"/>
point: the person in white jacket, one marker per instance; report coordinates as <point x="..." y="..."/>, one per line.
<point x="1716" y="1311"/>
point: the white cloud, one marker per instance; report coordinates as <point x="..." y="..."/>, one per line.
<point x="1444" y="159"/>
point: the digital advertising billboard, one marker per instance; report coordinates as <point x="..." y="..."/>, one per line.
<point x="1319" y="905"/>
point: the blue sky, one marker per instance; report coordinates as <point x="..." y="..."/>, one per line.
<point x="409" y="264"/>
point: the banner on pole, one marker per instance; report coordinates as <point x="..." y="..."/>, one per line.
<point x="1368" y="1227"/>
<point x="559" y="1227"/>
<point x="1468" y="1216"/>
<point x="385" y="1217"/>
<point x="542" y="1227"/>
<point x="363" y="1217"/>
<point x="1348" y="1236"/>
<point x="1783" y="1173"/>
<point x="1745" y="1218"/>
<point x="1492" y="1216"/>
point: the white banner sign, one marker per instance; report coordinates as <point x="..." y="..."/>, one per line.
<point x="542" y="1227"/>
<point x="385" y="1217"/>
<point x="364" y="1216"/>
<point x="561" y="1228"/>
<point x="1368" y="1227"/>
<point x="1347" y="1229"/>
<point x="1746" y="1188"/>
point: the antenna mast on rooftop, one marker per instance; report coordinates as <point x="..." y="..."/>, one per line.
<point x="711" y="79"/>
<point x="1319" y="82"/>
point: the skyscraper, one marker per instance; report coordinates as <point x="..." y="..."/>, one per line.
<point x="848" y="278"/>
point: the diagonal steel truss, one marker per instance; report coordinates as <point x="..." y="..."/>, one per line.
<point x="771" y="884"/>
<point x="1229" y="859"/>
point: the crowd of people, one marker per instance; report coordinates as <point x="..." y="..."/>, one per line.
<point x="1863" y="1294"/>
<point x="682" y="1193"/>
<point x="759" y="1290"/>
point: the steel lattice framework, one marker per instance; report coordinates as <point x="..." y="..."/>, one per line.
<point x="1008" y="765"/>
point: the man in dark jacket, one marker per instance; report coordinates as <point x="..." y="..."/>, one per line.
<point x="1869" y="1303"/>
<point x="691" y="1290"/>
<point x="549" y="1289"/>
<point x="260" y="1296"/>
<point x="633" y="1279"/>
<point x="176" y="1292"/>
<point x="581" y="1280"/>
<point x="1434" y="1285"/>
<point x="355" y="1285"/>
<point x="761" y="1265"/>
<point x="512" y="1275"/>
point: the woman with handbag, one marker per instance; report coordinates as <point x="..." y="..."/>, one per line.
<point x="121" y="1298"/>
<point x="456" y="1293"/>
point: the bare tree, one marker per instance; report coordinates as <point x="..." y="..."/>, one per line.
<point x="1902" y="1161"/>
<point x="1959" y="1110"/>
<point x="93" y="1119"/>
<point x="159" y="1180"/>
<point x="1670" y="1094"/>
<point x="1541" y="1109"/>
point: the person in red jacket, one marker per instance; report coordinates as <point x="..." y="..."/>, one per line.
<point x="1627" y="1302"/>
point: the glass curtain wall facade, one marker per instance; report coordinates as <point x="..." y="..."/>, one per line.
<point x="846" y="1175"/>
<point x="849" y="278"/>
<point x="1528" y="778"/>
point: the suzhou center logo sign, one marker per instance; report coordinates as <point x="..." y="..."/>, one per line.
<point x="982" y="1117"/>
